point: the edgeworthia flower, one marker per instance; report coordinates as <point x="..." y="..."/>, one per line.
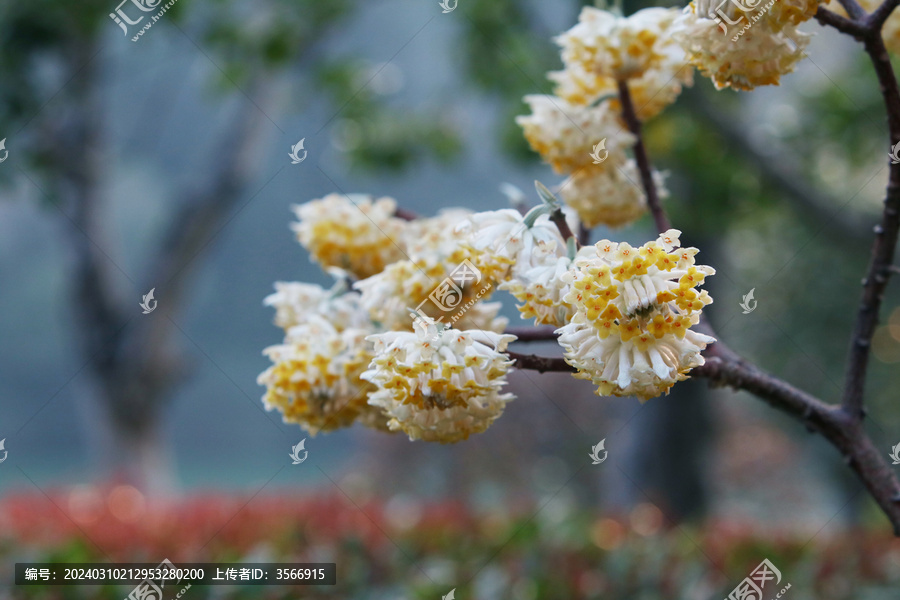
<point x="296" y="302"/>
<point x="353" y="232"/>
<point x="748" y="48"/>
<point x="634" y="309"/>
<point x="315" y="377"/>
<point x="604" y="48"/>
<point x="503" y="241"/>
<point x="439" y="385"/>
<point x="564" y="134"/>
<point x="612" y="197"/>
<point x="426" y="285"/>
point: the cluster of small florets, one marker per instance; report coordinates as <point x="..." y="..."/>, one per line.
<point x="415" y="347"/>
<point x="634" y="309"/>
<point x="407" y="341"/>
<point x="580" y="130"/>
<point x="744" y="44"/>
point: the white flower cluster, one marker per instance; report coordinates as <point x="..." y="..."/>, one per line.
<point x="579" y="130"/>
<point x="744" y="44"/>
<point x="604" y="48"/>
<point x="406" y="341"/>
<point x="439" y="386"/>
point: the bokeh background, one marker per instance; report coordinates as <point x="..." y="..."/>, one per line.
<point x="164" y="164"/>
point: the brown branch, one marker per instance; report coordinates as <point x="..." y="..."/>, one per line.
<point x="584" y="234"/>
<point x="833" y="423"/>
<point x="533" y="334"/>
<point x="724" y="368"/>
<point x="643" y="162"/>
<point x="884" y="245"/>
<point x="853" y="9"/>
<point x="842" y="24"/>
<point x="559" y="219"/>
<point x="406" y="215"/>
<point x="541" y="364"/>
<point x="881" y="14"/>
<point x="841" y="427"/>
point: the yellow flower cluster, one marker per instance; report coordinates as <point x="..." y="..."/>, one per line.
<point x="579" y="131"/>
<point x="604" y="48"/>
<point x="609" y="196"/>
<point x="744" y="44"/>
<point x="351" y="232"/>
<point x="407" y="284"/>
<point x="439" y="385"/>
<point x="634" y="308"/>
<point x="315" y="379"/>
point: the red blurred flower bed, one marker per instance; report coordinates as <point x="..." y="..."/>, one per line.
<point x="403" y="547"/>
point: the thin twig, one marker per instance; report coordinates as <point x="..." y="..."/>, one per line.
<point x="853" y="9"/>
<point x="541" y="364"/>
<point x="533" y="334"/>
<point x="884" y="245"/>
<point x="584" y="234"/>
<point x="880" y="14"/>
<point x="559" y="219"/>
<point x="842" y="24"/>
<point x="406" y="215"/>
<point x="643" y="162"/>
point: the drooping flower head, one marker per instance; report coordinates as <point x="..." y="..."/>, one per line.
<point x="315" y="379"/>
<point x="634" y="308"/>
<point x="433" y="287"/>
<point x="564" y="134"/>
<point x="295" y="302"/>
<point x="503" y="241"/>
<point x="436" y="237"/>
<point x="541" y="291"/>
<point x="616" y="47"/>
<point x="353" y="232"/>
<point x="439" y="385"/>
<point x="604" y="48"/>
<point x="610" y="196"/>
<point x="737" y="51"/>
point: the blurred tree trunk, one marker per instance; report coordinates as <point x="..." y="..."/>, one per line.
<point x="668" y="452"/>
<point x="131" y="358"/>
